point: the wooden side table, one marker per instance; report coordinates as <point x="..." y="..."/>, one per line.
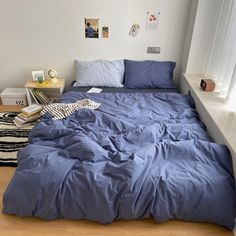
<point x="50" y="89"/>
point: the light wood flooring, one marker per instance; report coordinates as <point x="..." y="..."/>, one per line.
<point x="10" y="108"/>
<point x="16" y="226"/>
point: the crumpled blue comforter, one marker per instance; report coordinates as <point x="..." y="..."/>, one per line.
<point x="138" y="155"/>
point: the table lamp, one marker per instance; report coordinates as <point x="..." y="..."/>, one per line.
<point x="52" y="73"/>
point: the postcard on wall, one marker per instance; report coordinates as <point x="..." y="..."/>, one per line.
<point x="91" y="28"/>
<point x="105" y="32"/>
<point x="134" y="30"/>
<point x="152" y="20"/>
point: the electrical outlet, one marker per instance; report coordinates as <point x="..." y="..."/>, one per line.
<point x="154" y="50"/>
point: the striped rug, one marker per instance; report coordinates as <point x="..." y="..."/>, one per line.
<point x="12" y="139"/>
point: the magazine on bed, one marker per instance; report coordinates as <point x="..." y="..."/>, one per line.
<point x="94" y="90"/>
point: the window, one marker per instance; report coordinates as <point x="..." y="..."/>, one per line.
<point x="222" y="58"/>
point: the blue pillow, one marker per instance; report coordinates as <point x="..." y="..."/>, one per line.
<point x="100" y="73"/>
<point x="149" y="74"/>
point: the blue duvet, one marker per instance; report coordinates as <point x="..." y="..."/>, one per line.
<point x="137" y="156"/>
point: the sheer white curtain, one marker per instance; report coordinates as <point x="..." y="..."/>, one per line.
<point x="222" y="58"/>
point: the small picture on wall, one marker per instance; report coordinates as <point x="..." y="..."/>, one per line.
<point x="134" y="30"/>
<point x="91" y="28"/>
<point x="152" y="20"/>
<point x="105" y="32"/>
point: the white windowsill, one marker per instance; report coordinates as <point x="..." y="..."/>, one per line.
<point x="218" y="115"/>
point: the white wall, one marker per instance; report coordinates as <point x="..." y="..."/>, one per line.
<point x="40" y="34"/>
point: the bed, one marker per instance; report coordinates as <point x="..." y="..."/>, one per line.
<point x="140" y="154"/>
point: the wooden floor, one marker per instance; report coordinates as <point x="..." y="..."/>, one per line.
<point x="9" y="108"/>
<point x="16" y="226"/>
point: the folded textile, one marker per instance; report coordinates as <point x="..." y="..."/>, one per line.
<point x="62" y="110"/>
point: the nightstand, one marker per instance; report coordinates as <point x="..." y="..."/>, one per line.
<point x="50" y="89"/>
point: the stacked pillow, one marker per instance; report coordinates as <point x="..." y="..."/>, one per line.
<point x="125" y="73"/>
<point x="149" y="74"/>
<point x="100" y="73"/>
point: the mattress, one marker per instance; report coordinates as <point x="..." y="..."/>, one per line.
<point x="138" y="155"/>
<point x="73" y="87"/>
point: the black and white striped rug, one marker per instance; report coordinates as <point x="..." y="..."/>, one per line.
<point x="12" y="139"/>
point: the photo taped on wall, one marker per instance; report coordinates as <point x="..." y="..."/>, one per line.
<point x="91" y="28"/>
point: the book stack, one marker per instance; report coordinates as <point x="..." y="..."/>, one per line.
<point x="40" y="97"/>
<point x="28" y="116"/>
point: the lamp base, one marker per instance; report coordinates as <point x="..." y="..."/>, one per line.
<point x="54" y="80"/>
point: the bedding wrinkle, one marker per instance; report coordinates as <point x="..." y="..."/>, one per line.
<point x="145" y="187"/>
<point x="137" y="155"/>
